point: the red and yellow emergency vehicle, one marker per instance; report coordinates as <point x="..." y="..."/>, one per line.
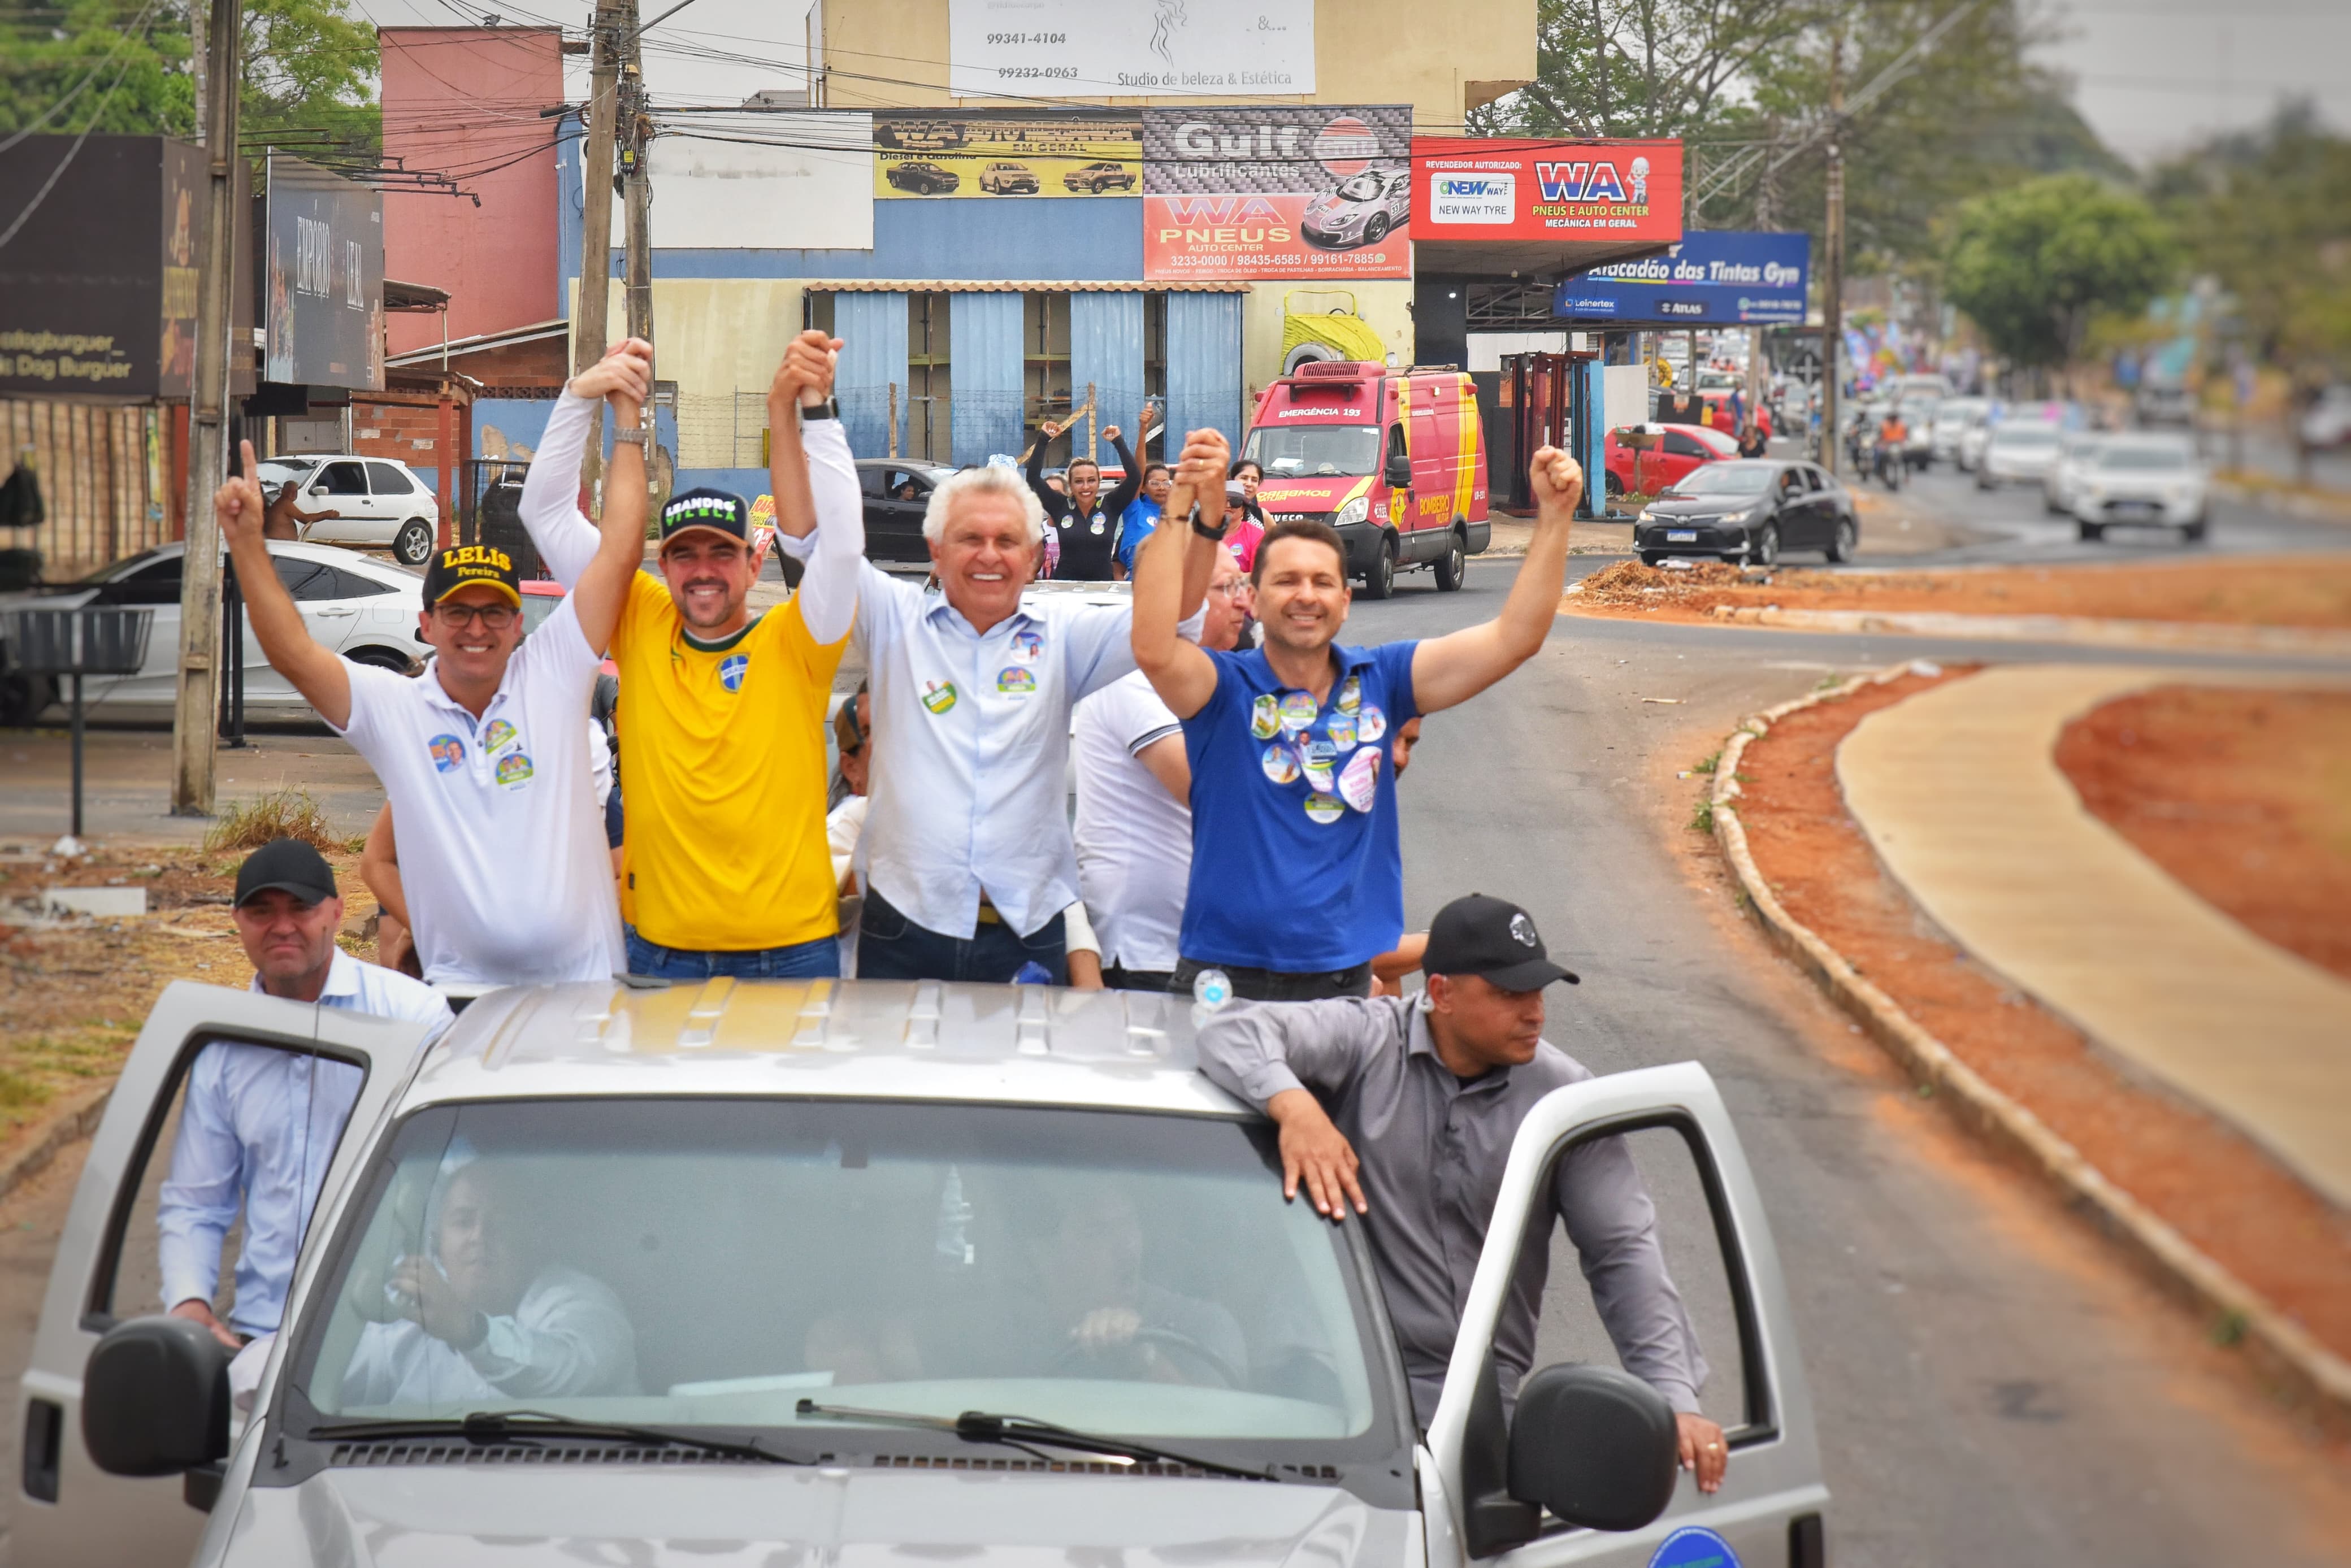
<point x="1394" y="459"/>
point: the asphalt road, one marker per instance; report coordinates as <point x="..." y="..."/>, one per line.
<point x="1994" y="1383"/>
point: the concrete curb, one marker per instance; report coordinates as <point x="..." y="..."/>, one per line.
<point x="2285" y="1350"/>
<point x="78" y="1119"/>
<point x="2205" y="636"/>
<point x="2293" y="502"/>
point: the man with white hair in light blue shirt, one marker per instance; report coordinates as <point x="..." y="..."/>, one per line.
<point x="258" y="1124"/>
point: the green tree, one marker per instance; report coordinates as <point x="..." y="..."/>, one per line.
<point x="307" y="65"/>
<point x="2034" y="264"/>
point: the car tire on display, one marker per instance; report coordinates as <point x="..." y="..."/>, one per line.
<point x="412" y="545"/>
<point x="1380" y="580"/>
<point x="2092" y="531"/>
<point x="1376" y="230"/>
<point x="1763" y="546"/>
<point x="1453" y="565"/>
<point x="1306" y="354"/>
<point x="1842" y="543"/>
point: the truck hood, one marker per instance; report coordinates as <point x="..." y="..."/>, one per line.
<point x="1311" y="494"/>
<point x="697" y="1517"/>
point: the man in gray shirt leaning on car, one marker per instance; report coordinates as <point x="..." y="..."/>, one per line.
<point x="1406" y="1108"/>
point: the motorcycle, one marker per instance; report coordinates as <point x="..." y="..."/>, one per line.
<point x="1890" y="464"/>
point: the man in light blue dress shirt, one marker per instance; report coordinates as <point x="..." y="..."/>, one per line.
<point x="258" y="1124"/>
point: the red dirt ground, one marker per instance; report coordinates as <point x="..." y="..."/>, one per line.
<point x="2220" y="1191"/>
<point x="2239" y="793"/>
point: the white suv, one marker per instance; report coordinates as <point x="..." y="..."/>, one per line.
<point x="382" y="505"/>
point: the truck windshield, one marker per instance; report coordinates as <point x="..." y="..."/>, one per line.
<point x="713" y="1262"/>
<point x="1306" y="451"/>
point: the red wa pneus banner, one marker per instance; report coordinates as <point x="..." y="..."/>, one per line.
<point x="1319" y="191"/>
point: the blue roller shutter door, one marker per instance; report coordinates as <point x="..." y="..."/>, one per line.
<point x="1106" y="348"/>
<point x="873" y="333"/>
<point x="984" y="331"/>
<point x="1204" y="366"/>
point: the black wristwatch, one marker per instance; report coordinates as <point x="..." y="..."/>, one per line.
<point x="1217" y="534"/>
<point x="827" y="409"/>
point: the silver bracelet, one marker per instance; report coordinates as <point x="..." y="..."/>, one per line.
<point x="635" y="436"/>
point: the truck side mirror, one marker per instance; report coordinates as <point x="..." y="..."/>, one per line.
<point x="1596" y="1446"/>
<point x="154" y="1398"/>
<point x="1398" y="474"/>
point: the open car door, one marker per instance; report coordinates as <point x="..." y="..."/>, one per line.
<point x="1717" y="1248"/>
<point x="68" y="1512"/>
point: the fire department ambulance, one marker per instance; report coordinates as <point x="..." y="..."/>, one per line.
<point x="1394" y="459"/>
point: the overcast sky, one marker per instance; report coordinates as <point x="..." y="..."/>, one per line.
<point x="2151" y="76"/>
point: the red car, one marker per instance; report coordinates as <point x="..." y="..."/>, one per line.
<point x="541" y="595"/>
<point x="1720" y="403"/>
<point x="1680" y="449"/>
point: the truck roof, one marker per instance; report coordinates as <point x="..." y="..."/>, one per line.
<point x="853" y="1039"/>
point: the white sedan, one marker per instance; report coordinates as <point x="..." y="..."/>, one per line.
<point x="2018" y="452"/>
<point x="2153" y="479"/>
<point x="362" y="607"/>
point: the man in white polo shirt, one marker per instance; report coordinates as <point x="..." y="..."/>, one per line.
<point x="484" y="757"/>
<point x="1133" y="826"/>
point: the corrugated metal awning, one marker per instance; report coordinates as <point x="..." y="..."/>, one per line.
<point x="993" y="286"/>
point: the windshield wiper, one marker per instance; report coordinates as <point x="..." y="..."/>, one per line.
<point x="1018" y="1431"/>
<point x="491" y="1427"/>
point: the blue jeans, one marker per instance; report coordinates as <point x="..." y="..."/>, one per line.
<point x="800" y="961"/>
<point x="891" y="947"/>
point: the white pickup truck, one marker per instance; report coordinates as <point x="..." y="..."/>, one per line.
<point x="826" y="1272"/>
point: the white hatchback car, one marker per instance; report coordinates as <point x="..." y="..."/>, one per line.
<point x="2075" y="452"/>
<point x="2018" y="451"/>
<point x="355" y="605"/>
<point x="382" y="505"/>
<point x="2152" y="479"/>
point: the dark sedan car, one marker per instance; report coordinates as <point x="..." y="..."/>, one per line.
<point x="1748" y="510"/>
<point x="897" y="494"/>
<point x="924" y="179"/>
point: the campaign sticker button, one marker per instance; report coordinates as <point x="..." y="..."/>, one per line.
<point x="1279" y="763"/>
<point x="1298" y="711"/>
<point x="1265" y="717"/>
<point x="1316" y="756"/>
<point x="447" y="750"/>
<point x="1350" y="693"/>
<point x="514" y="768"/>
<point x="1359" y="781"/>
<point x="938" y="696"/>
<point x="1370" y="724"/>
<point x="1027" y="647"/>
<point x="498" y="735"/>
<point x="1325" y="809"/>
<point x="1694" y="1546"/>
<point x="1014" y="681"/>
<point x="1342" y="730"/>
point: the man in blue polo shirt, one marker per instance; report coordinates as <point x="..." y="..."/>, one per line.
<point x="1296" y="880"/>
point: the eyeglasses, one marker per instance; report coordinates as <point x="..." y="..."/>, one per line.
<point x="493" y="617"/>
<point x="1237" y="589"/>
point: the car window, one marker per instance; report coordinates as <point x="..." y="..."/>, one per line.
<point x="1723" y="480"/>
<point x="389" y="479"/>
<point x="155" y="582"/>
<point x="536" y="609"/>
<point x="1306" y="451"/>
<point x="902" y="485"/>
<point x="869" y="480"/>
<point x="351" y="585"/>
<point x="1682" y="445"/>
<point x="307" y="581"/>
<point x="715" y="1262"/>
<point x="342" y="479"/>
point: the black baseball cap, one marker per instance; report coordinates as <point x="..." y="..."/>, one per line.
<point x="1493" y="939"/>
<point x="717" y="510"/>
<point x="288" y="865"/>
<point x="471" y="565"/>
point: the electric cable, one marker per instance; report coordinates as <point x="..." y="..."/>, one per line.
<point x="139" y="24"/>
<point x="63" y="163"/>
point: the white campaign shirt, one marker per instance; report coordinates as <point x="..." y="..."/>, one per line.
<point x="1133" y="839"/>
<point x="502" y="847"/>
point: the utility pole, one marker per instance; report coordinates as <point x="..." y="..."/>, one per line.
<point x="590" y="309"/>
<point x="1832" y="246"/>
<point x="636" y="125"/>
<point x="195" y="705"/>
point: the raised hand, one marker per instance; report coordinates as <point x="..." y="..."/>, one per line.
<point x="1558" y="480"/>
<point x="626" y="370"/>
<point x="1112" y="433"/>
<point x="806" y="374"/>
<point x="237" y="504"/>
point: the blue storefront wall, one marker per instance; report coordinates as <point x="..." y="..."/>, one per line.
<point x="1204" y="366"/>
<point x="1106" y="353"/>
<point x="873" y="333"/>
<point x="983" y="343"/>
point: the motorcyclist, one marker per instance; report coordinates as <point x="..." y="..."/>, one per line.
<point x="1893" y="438"/>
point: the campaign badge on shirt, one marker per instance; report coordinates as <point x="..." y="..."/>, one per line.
<point x="1279" y="763"/>
<point x="498" y="735"/>
<point x="448" y="751"/>
<point x="514" y="768"/>
<point x="1298" y="711"/>
<point x="1099" y="524"/>
<point x="1370" y="724"/>
<point x="1027" y="647"/>
<point x="1324" y="808"/>
<point x="1316" y="757"/>
<point x="1014" y="681"/>
<point x="732" y="669"/>
<point x="1342" y="730"/>
<point x="1359" y="781"/>
<point x="1350" y="693"/>
<point x="938" y="696"/>
<point x="1265" y="717"/>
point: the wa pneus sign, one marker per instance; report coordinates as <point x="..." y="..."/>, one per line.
<point x="1306" y="193"/>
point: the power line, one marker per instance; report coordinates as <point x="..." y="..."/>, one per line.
<point x="58" y="173"/>
<point x="139" y="24"/>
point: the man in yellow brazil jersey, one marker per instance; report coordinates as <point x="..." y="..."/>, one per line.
<point x="725" y="867"/>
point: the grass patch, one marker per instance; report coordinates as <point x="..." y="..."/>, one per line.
<point x="287" y="813"/>
<point x="1708" y="764"/>
<point x="1702" y="820"/>
<point x="18" y="1091"/>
